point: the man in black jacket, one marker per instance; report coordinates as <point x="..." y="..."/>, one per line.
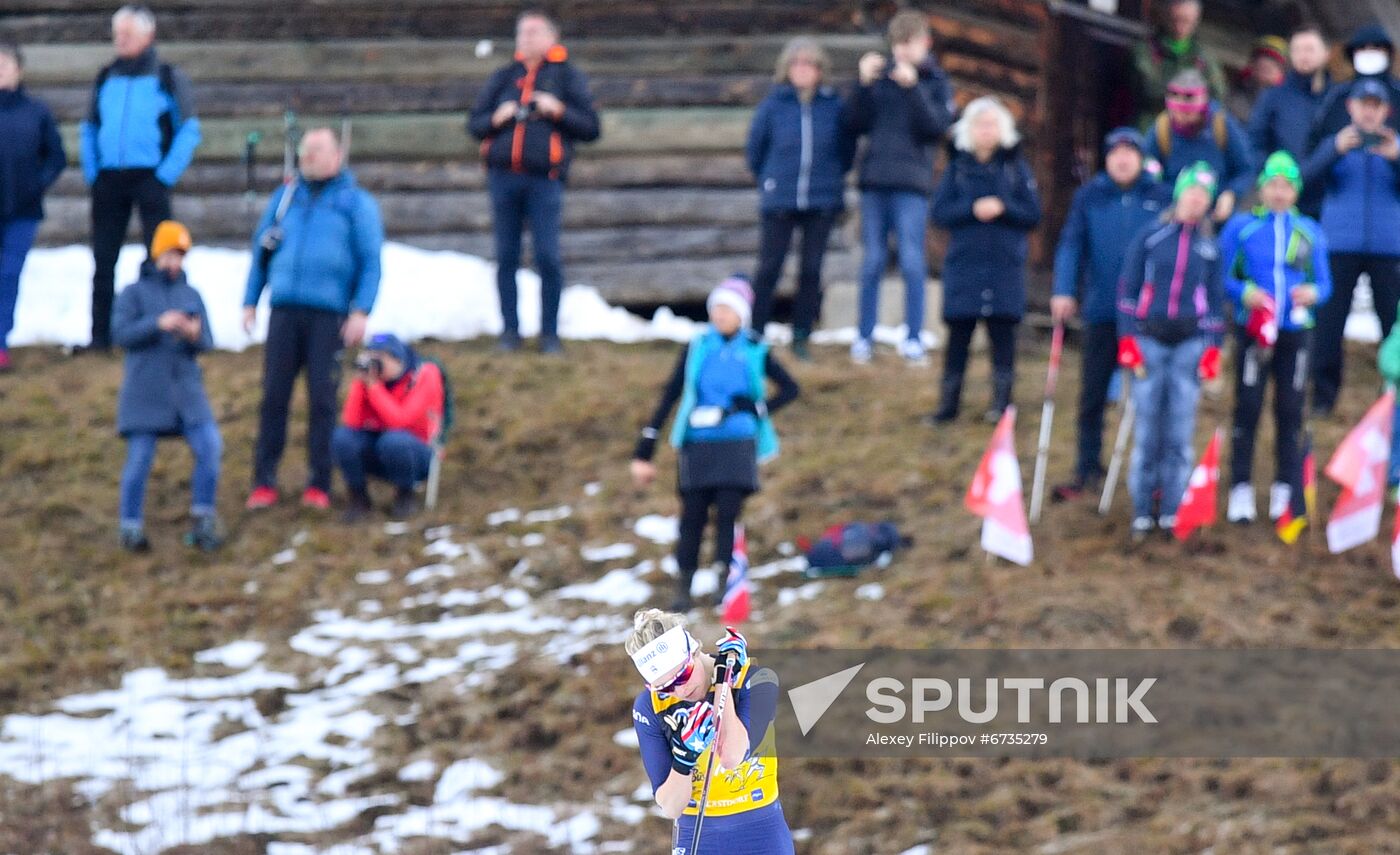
<point x="904" y="106"/>
<point x="528" y="117"/>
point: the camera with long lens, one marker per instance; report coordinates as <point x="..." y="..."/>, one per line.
<point x="367" y="362"/>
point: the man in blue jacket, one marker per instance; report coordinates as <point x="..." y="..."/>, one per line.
<point x="529" y="116"/>
<point x="1275" y="264"/>
<point x="903" y="105"/>
<point x="1283" y="116"/>
<point x="1104" y="217"/>
<point x="318" y="255"/>
<point x="139" y="135"/>
<point x="1194" y="129"/>
<point x="1359" y="170"/>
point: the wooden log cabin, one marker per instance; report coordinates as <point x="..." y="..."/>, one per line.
<point x="658" y="210"/>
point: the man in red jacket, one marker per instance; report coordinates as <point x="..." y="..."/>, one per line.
<point x="391" y="417"/>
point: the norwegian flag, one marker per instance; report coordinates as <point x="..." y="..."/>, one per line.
<point x="1295" y="519"/>
<point x="1198" y="506"/>
<point x="1359" y="465"/>
<point x="995" y="496"/>
<point x="737" y="592"/>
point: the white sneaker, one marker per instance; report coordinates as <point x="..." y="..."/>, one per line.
<point x="1241" y="509"/>
<point x="913" y="352"/>
<point x="1142" y="527"/>
<point x="1166" y="522"/>
<point x="861" y="351"/>
<point x="1280" y="496"/>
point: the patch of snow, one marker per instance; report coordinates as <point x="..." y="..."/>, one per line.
<point x="809" y="591"/>
<point x="616" y="588"/>
<point x="239" y="655"/>
<point x="657" y="529"/>
<point x="509" y="515"/>
<point x="614" y="552"/>
<point x="418" y="770"/>
<point x="396" y="527"/>
<point x="592" y="488"/>
<point x="872" y="591"/>
<point x="373" y="577"/>
<point x="286" y="556"/>
<point x="545" y="515"/>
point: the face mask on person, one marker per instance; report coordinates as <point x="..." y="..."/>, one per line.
<point x="1370" y="61"/>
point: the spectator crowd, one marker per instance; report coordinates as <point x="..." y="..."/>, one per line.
<point x="1236" y="218"/>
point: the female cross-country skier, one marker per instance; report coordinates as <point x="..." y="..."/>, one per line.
<point x="674" y="717"/>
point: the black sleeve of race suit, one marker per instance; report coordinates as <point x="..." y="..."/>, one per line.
<point x="670" y="394"/>
<point x="788" y="390"/>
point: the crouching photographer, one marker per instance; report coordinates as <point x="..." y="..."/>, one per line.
<point x="391" y="416"/>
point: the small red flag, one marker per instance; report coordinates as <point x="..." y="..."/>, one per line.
<point x="995" y="496"/>
<point x="1198" y="505"/>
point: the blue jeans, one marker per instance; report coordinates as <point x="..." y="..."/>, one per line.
<point x="207" y="447"/>
<point x="16" y="237"/>
<point x="1393" y="476"/>
<point x="539" y="201"/>
<point x="1166" y="423"/>
<point x="397" y="456"/>
<point x="906" y="214"/>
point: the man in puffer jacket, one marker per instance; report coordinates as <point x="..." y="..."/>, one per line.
<point x="1106" y="214"/>
<point x="138" y="137"/>
<point x="528" y="117"/>
<point x="1275" y="264"/>
<point x="323" y="275"/>
<point x="1359" y="168"/>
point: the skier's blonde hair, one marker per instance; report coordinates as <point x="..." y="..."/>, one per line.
<point x="649" y="625"/>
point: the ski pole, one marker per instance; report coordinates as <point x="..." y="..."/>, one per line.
<point x="721" y="677"/>
<point x="1047" y="420"/>
<point x="1120" y="445"/>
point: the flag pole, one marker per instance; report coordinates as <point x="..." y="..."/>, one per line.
<point x="1047" y="420"/>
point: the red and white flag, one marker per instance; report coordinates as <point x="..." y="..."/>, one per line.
<point x="1395" y="544"/>
<point x="1198" y="505"/>
<point x="995" y="496"/>
<point x="737" y="592"/>
<point x="1359" y="466"/>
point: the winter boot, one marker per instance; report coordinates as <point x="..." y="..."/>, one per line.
<point x="204" y="535"/>
<point x="358" y="507"/>
<point x="1002" y="383"/>
<point x="134" y="540"/>
<point x="405" y="504"/>
<point x="950" y="396"/>
<point x="801" y="350"/>
<point x="682" y="603"/>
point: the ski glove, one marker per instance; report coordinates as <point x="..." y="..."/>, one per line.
<point x="745" y="404"/>
<point x="1210" y="363"/>
<point x="734" y="643"/>
<point x="1129" y="354"/>
<point x="693" y="729"/>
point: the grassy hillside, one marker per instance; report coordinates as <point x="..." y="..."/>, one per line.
<point x="76" y="614"/>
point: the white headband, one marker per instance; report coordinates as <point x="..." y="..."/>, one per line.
<point x="667" y="653"/>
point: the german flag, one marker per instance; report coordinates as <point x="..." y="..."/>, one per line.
<point x="1301" y="503"/>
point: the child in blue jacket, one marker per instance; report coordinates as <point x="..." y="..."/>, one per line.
<point x="1275" y="264"/>
<point x="1170" y="323"/>
<point x="723" y="429"/>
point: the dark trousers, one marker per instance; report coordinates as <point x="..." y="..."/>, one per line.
<point x="695" y="512"/>
<point x="1100" y="361"/>
<point x="114" y="194"/>
<point x="299" y="338"/>
<point x="397" y="456"/>
<point x="1287" y="364"/>
<point x="1002" y="332"/>
<point x="16" y="239"/>
<point x="775" y="236"/>
<point x="1327" y="354"/>
<point x="518" y="200"/>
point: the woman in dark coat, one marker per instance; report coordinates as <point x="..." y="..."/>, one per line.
<point x="31" y="158"/>
<point x="988" y="203"/>
<point x="799" y="149"/>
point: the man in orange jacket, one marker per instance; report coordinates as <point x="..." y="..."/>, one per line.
<point x="391" y="417"/>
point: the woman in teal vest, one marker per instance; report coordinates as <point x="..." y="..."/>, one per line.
<point x="724" y="427"/>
